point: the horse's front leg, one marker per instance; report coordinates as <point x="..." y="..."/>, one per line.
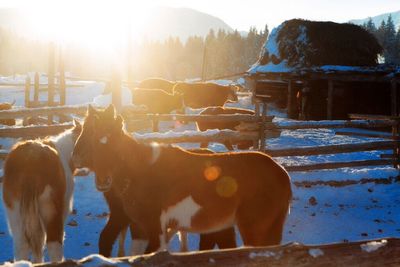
<point x="158" y="237"/>
<point x="140" y="239"/>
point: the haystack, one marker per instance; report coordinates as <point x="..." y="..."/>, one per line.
<point x="298" y="44"/>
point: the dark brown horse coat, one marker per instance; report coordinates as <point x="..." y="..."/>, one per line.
<point x="157" y="83"/>
<point x="202" y="95"/>
<point x="156" y="100"/>
<point x="205" y="125"/>
<point x="169" y="188"/>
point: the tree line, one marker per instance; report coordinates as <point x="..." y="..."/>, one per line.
<point x="219" y="53"/>
<point x="388" y="37"/>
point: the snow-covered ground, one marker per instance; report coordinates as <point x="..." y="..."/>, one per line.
<point x="321" y="212"/>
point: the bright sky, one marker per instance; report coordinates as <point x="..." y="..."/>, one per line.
<point x="97" y="23"/>
<point x="239" y="14"/>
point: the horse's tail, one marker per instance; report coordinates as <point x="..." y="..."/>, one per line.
<point x="32" y="223"/>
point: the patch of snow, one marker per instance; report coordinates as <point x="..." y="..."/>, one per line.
<point x="211" y="260"/>
<point x="18" y="264"/>
<point x="264" y="254"/>
<point x="315" y="252"/>
<point x="373" y="245"/>
<point x="95" y="260"/>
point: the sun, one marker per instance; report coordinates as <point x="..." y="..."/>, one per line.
<point x="101" y="28"/>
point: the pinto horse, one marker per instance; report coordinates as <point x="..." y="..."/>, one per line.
<point x="165" y="187"/>
<point x="37" y="193"/>
<point x="118" y="221"/>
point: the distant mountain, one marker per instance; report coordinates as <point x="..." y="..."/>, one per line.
<point x="378" y="19"/>
<point x="160" y="24"/>
<point x="182" y="23"/>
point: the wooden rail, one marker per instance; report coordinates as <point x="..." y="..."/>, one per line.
<point x="32" y="112"/>
<point x="337" y="165"/>
<point x="200" y="118"/>
<point x="331" y="149"/>
<point x="295" y="125"/>
<point x="367" y="253"/>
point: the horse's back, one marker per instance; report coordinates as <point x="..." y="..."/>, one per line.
<point x="35" y="165"/>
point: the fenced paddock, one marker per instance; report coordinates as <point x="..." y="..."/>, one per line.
<point x="252" y="128"/>
<point x="255" y="128"/>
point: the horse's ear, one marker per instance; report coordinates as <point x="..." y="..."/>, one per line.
<point x="90" y="110"/>
<point x="119" y="121"/>
<point x="77" y="125"/>
<point x="110" y="111"/>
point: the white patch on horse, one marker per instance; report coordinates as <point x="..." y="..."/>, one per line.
<point x="55" y="251"/>
<point x="103" y="140"/>
<point x="155" y="152"/>
<point x="181" y="214"/>
<point x="21" y="246"/>
<point x="138" y="247"/>
<point x="64" y="144"/>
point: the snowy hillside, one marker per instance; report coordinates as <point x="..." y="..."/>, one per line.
<point x="377" y="20"/>
<point x="339" y="205"/>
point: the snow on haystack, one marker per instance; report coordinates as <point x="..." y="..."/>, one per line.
<point x="298" y="45"/>
<point x="373" y="245"/>
<point x="271" y="51"/>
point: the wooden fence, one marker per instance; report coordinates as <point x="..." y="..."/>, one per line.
<point x="252" y="128"/>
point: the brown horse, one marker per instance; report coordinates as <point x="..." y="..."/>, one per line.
<point x="164" y="187"/>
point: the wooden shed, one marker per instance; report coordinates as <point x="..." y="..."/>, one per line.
<point x="325" y="70"/>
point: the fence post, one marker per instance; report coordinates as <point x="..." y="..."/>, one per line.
<point x="116" y="95"/>
<point x="262" y="126"/>
<point x="50" y="80"/>
<point x="330" y="100"/>
<point x="204" y="64"/>
<point x="62" y="79"/>
<point x="27" y="91"/>
<point x="395" y="128"/>
<point x="50" y="77"/>
<point x="36" y="90"/>
<point x="256" y="144"/>
<point x="155" y="125"/>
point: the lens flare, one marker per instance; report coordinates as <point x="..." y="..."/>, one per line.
<point x="211" y="173"/>
<point x="226" y="186"/>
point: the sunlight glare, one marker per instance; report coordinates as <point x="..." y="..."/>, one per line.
<point x="103" y="29"/>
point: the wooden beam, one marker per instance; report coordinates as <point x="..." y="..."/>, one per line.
<point x="33" y="131"/>
<point x="61" y="78"/>
<point x="337" y="165"/>
<point x="36" y="88"/>
<point x="27" y="91"/>
<point x="366" y="134"/>
<point x="372" y="117"/>
<point x="290" y="104"/>
<point x="31" y="112"/>
<point x="330" y="149"/>
<point x="262" y="127"/>
<point x="198" y="137"/>
<point x="293" y="125"/>
<point x="393" y="98"/>
<point x="367" y="253"/>
<point x="200" y="118"/>
<point x="51" y="73"/>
